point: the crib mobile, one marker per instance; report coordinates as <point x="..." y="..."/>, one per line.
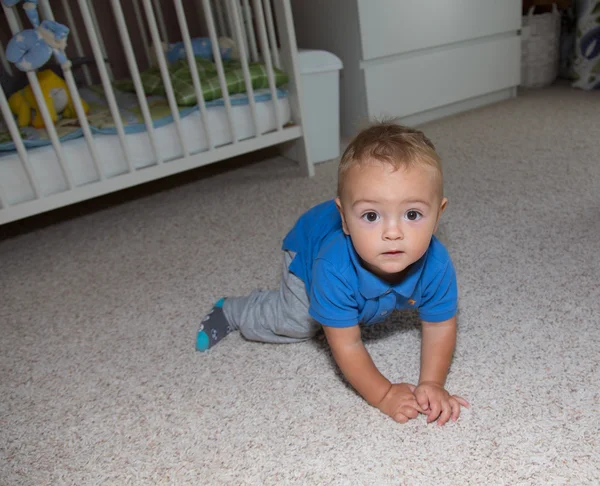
<point x="30" y="50"/>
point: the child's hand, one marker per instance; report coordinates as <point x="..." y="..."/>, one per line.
<point x="400" y="403"/>
<point x="437" y="403"/>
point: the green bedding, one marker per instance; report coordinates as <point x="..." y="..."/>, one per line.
<point x="181" y="78"/>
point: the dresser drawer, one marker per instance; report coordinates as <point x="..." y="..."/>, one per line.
<point x="390" y="27"/>
<point x="412" y="84"/>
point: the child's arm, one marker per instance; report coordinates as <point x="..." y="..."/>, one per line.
<point x="396" y="400"/>
<point x="437" y="347"/>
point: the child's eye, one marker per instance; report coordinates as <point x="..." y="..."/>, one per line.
<point x="370" y="216"/>
<point x="413" y="215"/>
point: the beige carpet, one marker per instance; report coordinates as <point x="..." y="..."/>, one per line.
<point x="100" y="383"/>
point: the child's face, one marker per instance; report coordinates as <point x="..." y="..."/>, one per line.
<point x="390" y="214"/>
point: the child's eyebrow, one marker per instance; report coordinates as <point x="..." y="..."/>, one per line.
<point x="418" y="201"/>
<point x="407" y="201"/>
<point x="365" y="201"/>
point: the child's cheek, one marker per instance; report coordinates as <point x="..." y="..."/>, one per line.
<point x="363" y="225"/>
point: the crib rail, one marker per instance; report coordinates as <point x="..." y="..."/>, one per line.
<point x="259" y="33"/>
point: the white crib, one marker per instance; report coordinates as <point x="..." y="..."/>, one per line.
<point x="34" y="179"/>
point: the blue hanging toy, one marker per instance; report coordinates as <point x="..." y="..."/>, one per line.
<point x="32" y="48"/>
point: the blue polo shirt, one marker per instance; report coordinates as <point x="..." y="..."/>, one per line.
<point x="343" y="293"/>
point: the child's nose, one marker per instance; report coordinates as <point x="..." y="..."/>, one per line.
<point x="393" y="231"/>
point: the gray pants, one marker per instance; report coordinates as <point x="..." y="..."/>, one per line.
<point x="274" y="316"/>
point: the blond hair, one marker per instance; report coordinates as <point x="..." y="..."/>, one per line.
<point x="389" y="142"/>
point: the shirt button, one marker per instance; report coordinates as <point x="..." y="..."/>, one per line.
<point x="384" y="313"/>
<point x="387" y="292"/>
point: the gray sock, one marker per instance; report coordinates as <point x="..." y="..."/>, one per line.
<point x="213" y="328"/>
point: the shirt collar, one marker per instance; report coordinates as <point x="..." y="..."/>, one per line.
<point x="371" y="286"/>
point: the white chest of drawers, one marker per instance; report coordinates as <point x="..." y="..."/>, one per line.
<point x="417" y="60"/>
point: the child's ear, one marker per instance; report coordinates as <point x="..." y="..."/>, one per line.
<point x="338" y="203"/>
<point x="443" y="205"/>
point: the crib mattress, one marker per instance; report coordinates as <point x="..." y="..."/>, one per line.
<point x="46" y="168"/>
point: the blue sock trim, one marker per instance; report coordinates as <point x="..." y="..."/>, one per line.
<point x="219" y="303"/>
<point x="202" y="341"/>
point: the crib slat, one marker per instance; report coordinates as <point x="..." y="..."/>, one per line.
<point x="46" y="10"/>
<point x="85" y="126"/>
<point x="229" y="18"/>
<point x="105" y="77"/>
<point x="76" y="39"/>
<point x="5" y="63"/>
<point x="3" y="202"/>
<point x="237" y="8"/>
<point x="250" y="31"/>
<point x="49" y="126"/>
<point x="290" y="64"/>
<point x="161" y="21"/>
<point x="220" y="71"/>
<point x="20" y="146"/>
<point x="266" y="55"/>
<point x="13" y="20"/>
<point x="164" y="71"/>
<point x="142" y="29"/>
<point x="135" y="76"/>
<point x="19" y="24"/>
<point x="100" y="38"/>
<point x="185" y="34"/>
<point x="272" y="36"/>
<point x="220" y="18"/>
<point x="234" y="12"/>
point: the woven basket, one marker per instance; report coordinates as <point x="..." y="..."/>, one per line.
<point x="540" y="42"/>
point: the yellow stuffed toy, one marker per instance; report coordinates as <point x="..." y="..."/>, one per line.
<point x="56" y="94"/>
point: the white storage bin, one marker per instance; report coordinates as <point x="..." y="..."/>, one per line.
<point x="320" y="71"/>
<point x="540" y="42"/>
